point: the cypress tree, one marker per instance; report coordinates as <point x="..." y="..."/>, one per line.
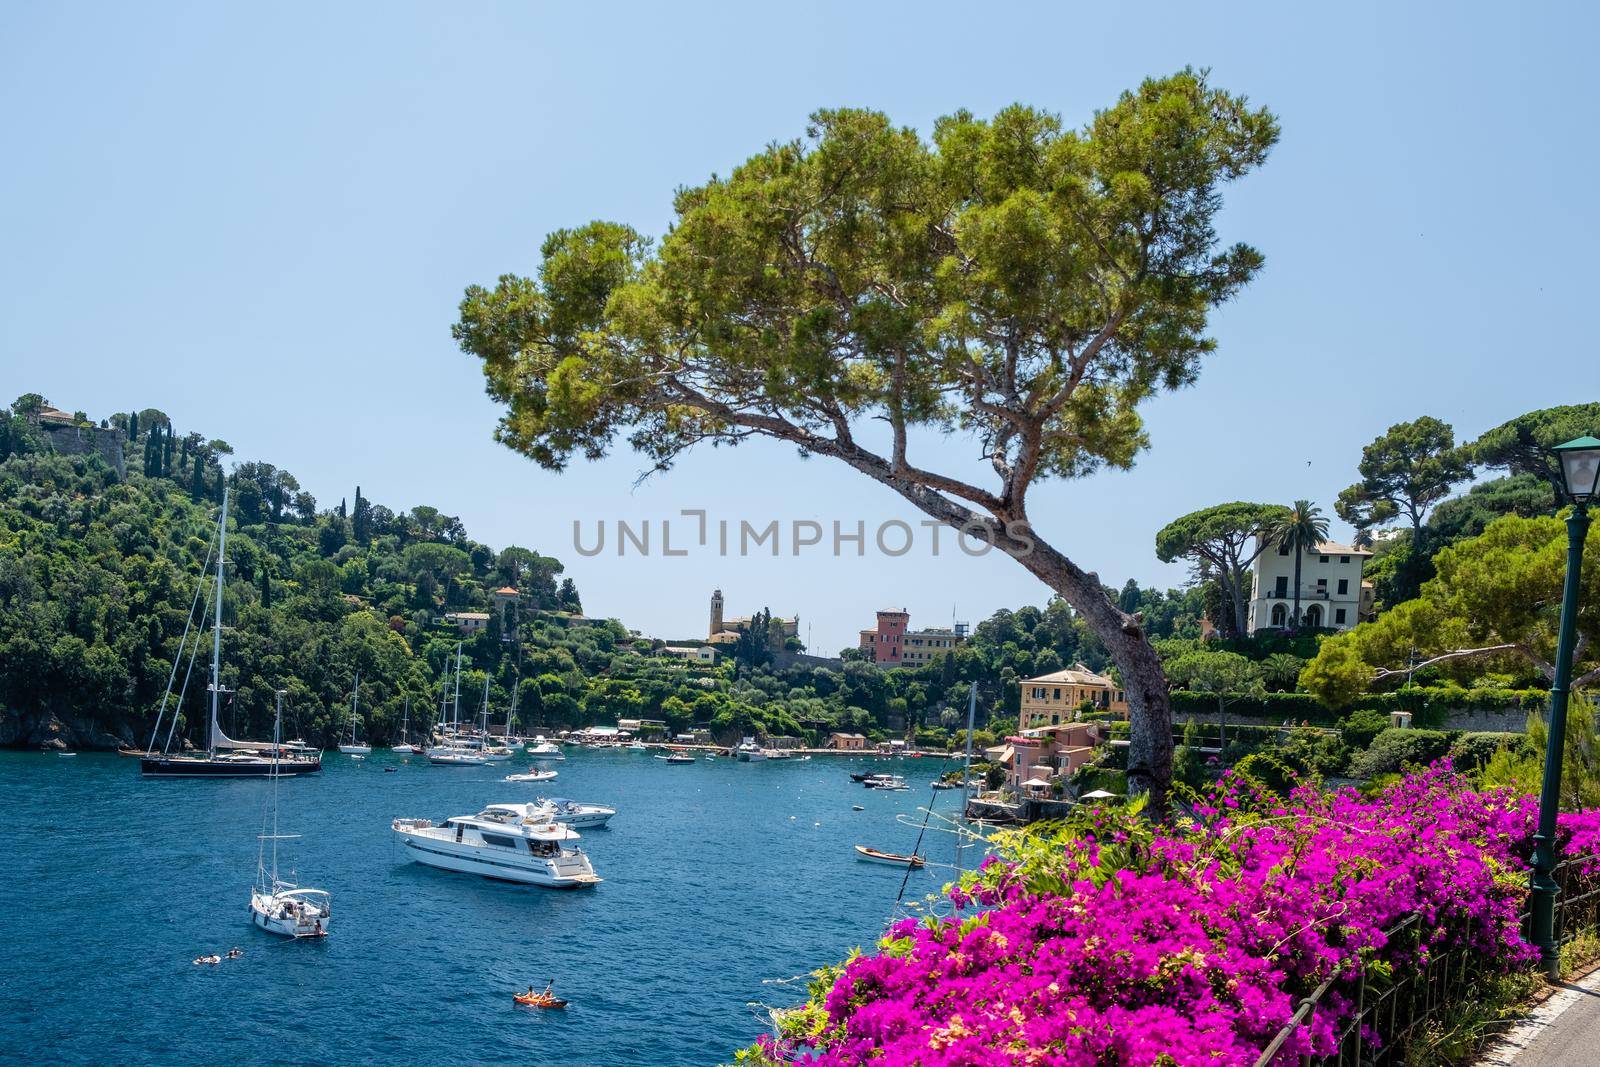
<point x="197" y="478"/>
<point x="133" y="426"/>
<point x="221" y="483"/>
<point x="361" y="519"/>
<point x="166" y="462"/>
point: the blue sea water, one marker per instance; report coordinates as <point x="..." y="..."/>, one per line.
<point x="719" y="877"/>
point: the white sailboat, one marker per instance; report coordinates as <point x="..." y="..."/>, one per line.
<point x="405" y="744"/>
<point x="452" y="752"/>
<point x="492" y="753"/>
<point x="224" y="757"/>
<point x="276" y="906"/>
<point x="355" y="748"/>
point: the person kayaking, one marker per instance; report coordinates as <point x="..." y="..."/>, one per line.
<point x="235" y="953"/>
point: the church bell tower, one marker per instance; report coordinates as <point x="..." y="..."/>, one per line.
<point x="716" y="613"/>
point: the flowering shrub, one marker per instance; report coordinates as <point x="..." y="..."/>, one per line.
<point x="1107" y="941"/>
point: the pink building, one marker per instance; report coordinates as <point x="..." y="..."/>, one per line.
<point x="1049" y="751"/>
<point x="895" y="644"/>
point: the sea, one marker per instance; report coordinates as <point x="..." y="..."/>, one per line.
<point x="725" y="884"/>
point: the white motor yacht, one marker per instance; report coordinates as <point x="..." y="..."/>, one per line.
<point x="749" y="752"/>
<point x="573" y="814"/>
<point x="778" y="753"/>
<point x="502" y="841"/>
<point x="545" y="750"/>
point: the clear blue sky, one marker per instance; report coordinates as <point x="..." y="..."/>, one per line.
<point x="261" y="218"/>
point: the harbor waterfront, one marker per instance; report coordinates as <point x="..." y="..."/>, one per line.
<point x="719" y="878"/>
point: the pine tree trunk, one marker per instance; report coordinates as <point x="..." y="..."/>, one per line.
<point x="1143" y="680"/>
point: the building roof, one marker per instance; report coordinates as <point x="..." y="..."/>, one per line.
<point x="1058" y="728"/>
<point x="49" y="414"/>
<point x="1074" y="675"/>
<point x="506" y="590"/>
<point x="484" y="615"/>
<point x="849" y="737"/>
<point x="1334" y="548"/>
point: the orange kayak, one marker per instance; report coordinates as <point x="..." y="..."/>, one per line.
<point x="538" y="1000"/>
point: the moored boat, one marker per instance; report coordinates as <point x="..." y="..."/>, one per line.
<point x="224" y="757"/>
<point x="503" y="843"/>
<point x="573" y="814"/>
<point x="277" y="906"/>
<point x="354" y="747"/>
<point x="873" y="855"/>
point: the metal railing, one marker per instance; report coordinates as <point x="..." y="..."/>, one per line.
<point x="1389" y="1010"/>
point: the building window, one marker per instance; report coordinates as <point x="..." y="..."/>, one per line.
<point x="1280" y="615"/>
<point x="1281" y="589"/>
<point x="1324" y="559"/>
<point x="1338" y="616"/>
<point x="1344" y="586"/>
<point x="1344" y="559"/>
<point x="1057" y="696"/>
<point x="1283" y="549"/>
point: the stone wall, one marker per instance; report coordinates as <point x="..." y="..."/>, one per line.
<point x="87" y="440"/>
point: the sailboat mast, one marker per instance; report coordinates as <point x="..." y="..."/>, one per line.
<point x="216" y="634"/>
<point x="355" y="707"/>
<point x="455" y="708"/>
<point x="277" y="726"/>
<point x="966" y="774"/>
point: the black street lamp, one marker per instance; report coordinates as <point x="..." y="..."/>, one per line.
<point x="1580" y="475"/>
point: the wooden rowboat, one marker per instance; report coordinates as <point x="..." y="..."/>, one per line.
<point x="888" y="857"/>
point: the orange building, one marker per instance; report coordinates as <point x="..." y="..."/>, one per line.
<point x="1054" y="698"/>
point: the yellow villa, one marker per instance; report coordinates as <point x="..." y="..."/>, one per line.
<point x="1052" y="699"/>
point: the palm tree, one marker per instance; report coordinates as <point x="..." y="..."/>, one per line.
<point x="1301" y="527"/>
<point x="1282" y="669"/>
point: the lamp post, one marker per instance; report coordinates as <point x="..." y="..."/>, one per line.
<point x="1580" y="474"/>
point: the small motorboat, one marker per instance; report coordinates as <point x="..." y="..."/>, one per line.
<point x="531" y="776"/>
<point x="677" y="757"/>
<point x="65" y="755"/>
<point x="874" y="856"/>
<point x="538" y="1000"/>
<point x="390" y="770"/>
<point x="942" y="784"/>
<point x="857" y="807"/>
<point x="357" y="756"/>
<point x="860" y="776"/>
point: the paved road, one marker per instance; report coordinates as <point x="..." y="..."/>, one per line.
<point x="1564" y="1031"/>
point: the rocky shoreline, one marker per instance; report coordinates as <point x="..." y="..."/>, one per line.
<point x="53" y="731"/>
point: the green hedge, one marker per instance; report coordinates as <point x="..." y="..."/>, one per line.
<point x="1425" y="704"/>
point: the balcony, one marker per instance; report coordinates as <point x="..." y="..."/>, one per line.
<point x="1314" y="593"/>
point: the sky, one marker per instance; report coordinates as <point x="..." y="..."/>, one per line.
<point x="261" y="218"/>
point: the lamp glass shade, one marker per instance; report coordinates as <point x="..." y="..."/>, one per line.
<point x="1580" y="468"/>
